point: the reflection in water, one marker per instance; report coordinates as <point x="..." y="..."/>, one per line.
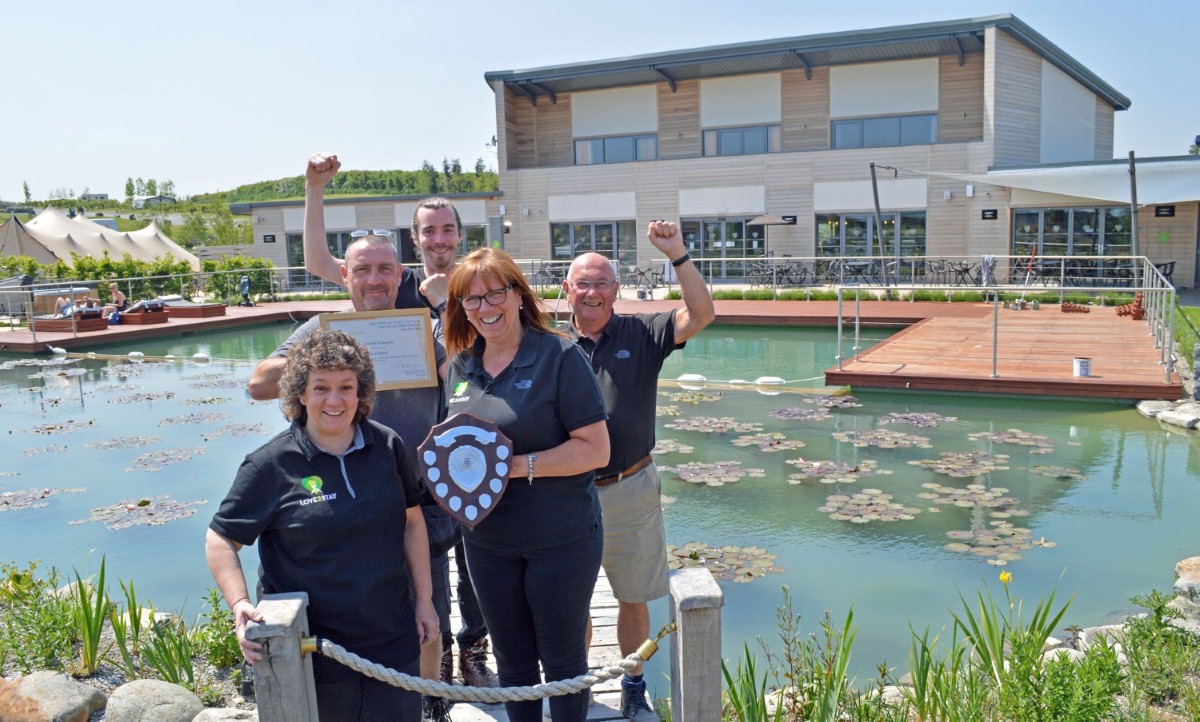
<point x="1119" y="523"/>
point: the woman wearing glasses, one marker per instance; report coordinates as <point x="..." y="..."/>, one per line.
<point x="534" y="560"/>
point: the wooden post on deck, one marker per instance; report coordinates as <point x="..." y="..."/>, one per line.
<point x="696" y="602"/>
<point x="283" y="680"/>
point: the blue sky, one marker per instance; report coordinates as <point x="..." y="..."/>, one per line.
<point x="216" y="94"/>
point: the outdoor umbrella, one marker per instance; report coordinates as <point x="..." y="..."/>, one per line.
<point x="766" y="219"/>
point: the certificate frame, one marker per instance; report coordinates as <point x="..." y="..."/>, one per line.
<point x="400" y="342"/>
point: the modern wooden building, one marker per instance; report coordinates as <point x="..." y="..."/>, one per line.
<point x="992" y="140"/>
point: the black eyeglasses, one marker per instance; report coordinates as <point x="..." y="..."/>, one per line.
<point x="362" y="233"/>
<point x="494" y="298"/>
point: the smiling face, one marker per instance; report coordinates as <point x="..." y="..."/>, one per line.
<point x="498" y="322"/>
<point x="330" y="399"/>
<point x="438" y="235"/>
<point x="592" y="307"/>
<point x="372" y="275"/>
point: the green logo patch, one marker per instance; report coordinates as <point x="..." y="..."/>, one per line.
<point x="460" y="388"/>
<point x="312" y="484"/>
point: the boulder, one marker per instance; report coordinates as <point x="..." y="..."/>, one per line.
<point x="1152" y="408"/>
<point x="1191" y="565"/>
<point x="152" y="700"/>
<point x="1191" y="408"/>
<point x="226" y="714"/>
<point x="1111" y="633"/>
<point x="1174" y="417"/>
<point x="48" y="697"/>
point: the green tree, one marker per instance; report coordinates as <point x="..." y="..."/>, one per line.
<point x="139" y="187"/>
<point x="28" y="195"/>
<point x="1195" y="149"/>
<point x="194" y="231"/>
<point x="129" y="189"/>
<point x="168" y="188"/>
<point x="151" y="187"/>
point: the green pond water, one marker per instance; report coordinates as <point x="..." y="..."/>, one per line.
<point x="1111" y="511"/>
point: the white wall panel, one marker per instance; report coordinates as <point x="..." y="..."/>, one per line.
<point x="1068" y="118"/>
<point x="615" y="112"/>
<point x="856" y="195"/>
<point x="741" y="100"/>
<point x="337" y="218"/>
<point x="592" y="207"/>
<point x="730" y="200"/>
<point x="891" y="88"/>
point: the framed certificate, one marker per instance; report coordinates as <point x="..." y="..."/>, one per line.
<point x="400" y="342"/>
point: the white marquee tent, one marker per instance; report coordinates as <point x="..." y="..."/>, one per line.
<point x="59" y="236"/>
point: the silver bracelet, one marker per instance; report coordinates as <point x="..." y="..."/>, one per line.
<point x="531" y="458"/>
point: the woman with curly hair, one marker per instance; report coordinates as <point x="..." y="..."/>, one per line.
<point x="535" y="558"/>
<point x="333" y="505"/>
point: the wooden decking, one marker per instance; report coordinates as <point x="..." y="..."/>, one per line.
<point x="944" y="347"/>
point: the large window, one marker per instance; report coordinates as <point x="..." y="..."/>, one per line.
<point x="748" y="140"/>
<point x="724" y="243"/>
<point x="1072" y="232"/>
<point x="611" y="239"/>
<point x="853" y="234"/>
<point x="618" y="149"/>
<point x="885" y="131"/>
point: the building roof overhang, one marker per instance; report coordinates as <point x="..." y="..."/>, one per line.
<point x="957" y="38"/>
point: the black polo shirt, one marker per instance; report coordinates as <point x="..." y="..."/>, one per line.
<point x="345" y="549"/>
<point x="408" y="291"/>
<point x="626" y="361"/>
<point x="547" y="392"/>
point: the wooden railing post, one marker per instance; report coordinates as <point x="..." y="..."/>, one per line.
<point x="696" y="602"/>
<point x="283" y="679"/>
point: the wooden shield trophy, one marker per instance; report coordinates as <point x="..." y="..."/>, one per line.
<point x="466" y="462"/>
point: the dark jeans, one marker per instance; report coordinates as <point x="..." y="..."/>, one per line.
<point x="536" y="605"/>
<point x="362" y="699"/>
<point x="473" y="626"/>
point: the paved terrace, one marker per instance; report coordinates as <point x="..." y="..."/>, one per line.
<point x="942" y="347"/>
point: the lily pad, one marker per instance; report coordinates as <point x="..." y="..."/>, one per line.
<point x="964" y="464"/>
<point x="143" y="511"/>
<point x="692" y="397"/>
<point x="833" y="402"/>
<point x="1041" y="444"/>
<point x="769" y="442"/>
<point x="671" y="446"/>
<point x="158" y="460"/>
<point x="31" y="498"/>
<point x="206" y="400"/>
<point x="208" y="418"/>
<point x="39" y="450"/>
<point x="220" y="381"/>
<point x="867" y="506"/>
<point x="796" y="413"/>
<point x="123" y="442"/>
<point x="139" y="398"/>
<point x="882" y="439"/>
<point x="713" y="425"/>
<point x="1062" y="473"/>
<point x="64" y="427"/>
<point x="714" y="474"/>
<point x="236" y="431"/>
<point x="832" y="472"/>
<point x="923" y="420"/>
<point x="666" y="411"/>
<point x="727" y="563"/>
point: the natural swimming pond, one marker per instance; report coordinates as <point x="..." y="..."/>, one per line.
<point x="1109" y="498"/>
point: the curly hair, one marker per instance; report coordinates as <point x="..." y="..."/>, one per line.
<point x="493" y="263"/>
<point x="325" y="350"/>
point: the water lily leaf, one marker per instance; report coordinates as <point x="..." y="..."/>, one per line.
<point x="713" y="425"/>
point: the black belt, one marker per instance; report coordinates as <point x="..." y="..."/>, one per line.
<point x="614" y="478"/>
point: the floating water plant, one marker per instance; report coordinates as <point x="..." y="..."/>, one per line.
<point x="220" y="382"/>
<point x="671" y="446"/>
<point x="123" y="442"/>
<point x="833" y="402"/>
<point x="883" y="439"/>
<point x="1041" y="444"/>
<point x="206" y="401"/>
<point x="1001" y="544"/>
<point x="666" y="411"/>
<point x="867" y="506"/>
<point x="157" y="460"/>
<point x="209" y="418"/>
<point x="924" y="419"/>
<point x="974" y="496"/>
<point x="64" y="427"/>
<point x="771" y="441"/>
<point x="116" y="388"/>
<point x="713" y="474"/>
<point x="964" y="464"/>
<point x="795" y="413"/>
<point x="127" y="369"/>
<point x="36" y="362"/>
<point x="236" y="431"/>
<point x="58" y="373"/>
<point x="832" y="472"/>
<point x="713" y="425"/>
<point x="727" y="563"/>
<point x="144" y="512"/>
<point x="1062" y="473"/>
<point x="39" y="450"/>
<point x="692" y="397"/>
<point x="139" y="398"/>
<point x="31" y="498"/>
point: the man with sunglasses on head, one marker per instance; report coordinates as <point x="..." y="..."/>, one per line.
<point x="437" y="232"/>
<point x="626" y="353"/>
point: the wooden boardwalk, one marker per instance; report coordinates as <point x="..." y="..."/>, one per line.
<point x="604" y="651"/>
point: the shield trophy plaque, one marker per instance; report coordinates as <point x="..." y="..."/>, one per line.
<point x="466" y="462"/>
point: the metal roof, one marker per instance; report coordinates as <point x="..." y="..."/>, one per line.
<point x="952" y="37"/>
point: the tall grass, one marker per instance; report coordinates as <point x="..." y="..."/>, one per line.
<point x="89" y="608"/>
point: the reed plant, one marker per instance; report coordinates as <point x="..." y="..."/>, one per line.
<point x="168" y="651"/>
<point x="127" y="631"/>
<point x="89" y="609"/>
<point x="746" y="692"/>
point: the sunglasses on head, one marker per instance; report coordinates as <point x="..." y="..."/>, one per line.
<point x="362" y="233"/>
